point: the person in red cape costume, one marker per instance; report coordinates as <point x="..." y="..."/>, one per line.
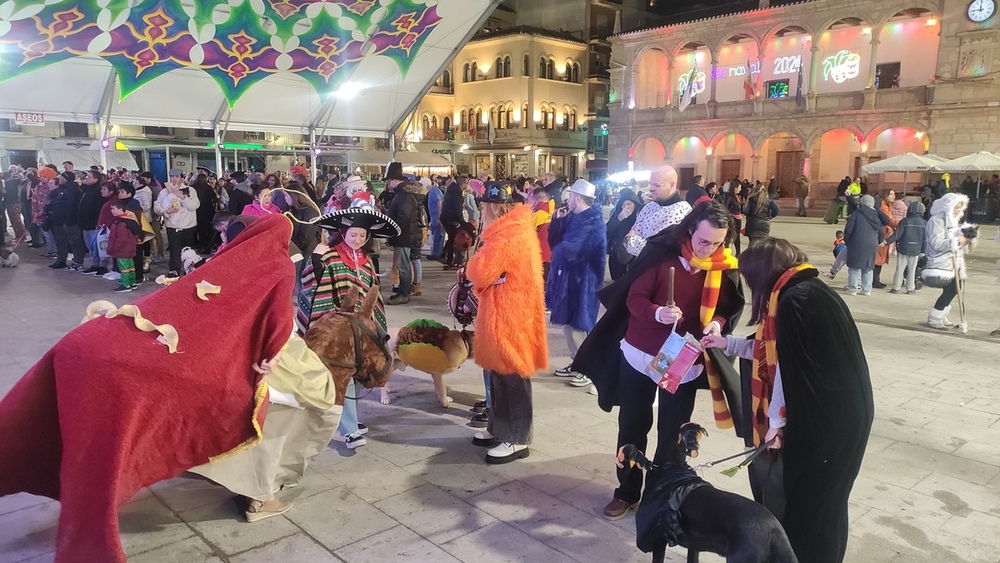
<point x="90" y="425"/>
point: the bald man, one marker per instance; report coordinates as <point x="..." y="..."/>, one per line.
<point x="667" y="208"/>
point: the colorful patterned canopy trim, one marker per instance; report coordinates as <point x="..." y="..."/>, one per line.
<point x="237" y="42"/>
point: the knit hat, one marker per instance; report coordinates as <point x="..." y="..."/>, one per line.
<point x="46" y="173"/>
<point x="69" y="175"/>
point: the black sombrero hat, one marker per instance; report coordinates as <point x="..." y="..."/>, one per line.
<point x="366" y="217"/>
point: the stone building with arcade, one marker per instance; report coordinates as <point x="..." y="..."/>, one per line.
<point x="818" y="87"/>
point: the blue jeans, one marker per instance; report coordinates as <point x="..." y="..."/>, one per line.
<point x="401" y="258"/>
<point x="349" y="417"/>
<point x="852" y="280"/>
<point x="437" y="240"/>
<point x="489" y="392"/>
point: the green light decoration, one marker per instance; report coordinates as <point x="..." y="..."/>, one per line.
<point x="238" y="43"/>
<point x="777" y="89"/>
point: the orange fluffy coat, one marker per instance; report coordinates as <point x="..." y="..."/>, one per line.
<point x="510" y="327"/>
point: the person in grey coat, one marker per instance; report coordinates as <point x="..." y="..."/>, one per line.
<point x="862" y="235"/>
<point x="909" y="239"/>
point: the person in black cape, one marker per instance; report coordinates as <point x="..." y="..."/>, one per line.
<point x="601" y="358"/>
<point x="828" y="404"/>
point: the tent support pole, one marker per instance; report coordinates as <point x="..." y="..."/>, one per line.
<point x="166" y="155"/>
<point x="314" y="150"/>
<point x="104" y="121"/>
<point x="218" y="151"/>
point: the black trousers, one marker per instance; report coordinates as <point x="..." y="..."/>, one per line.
<point x="449" y="245"/>
<point x="177" y="239"/>
<point x="68" y="238"/>
<point x="948" y="293"/>
<point x="635" y="419"/>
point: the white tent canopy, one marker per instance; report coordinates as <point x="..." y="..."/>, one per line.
<point x="982" y="161"/>
<point x="83" y="159"/>
<point x="906" y="162"/>
<point x="373" y="100"/>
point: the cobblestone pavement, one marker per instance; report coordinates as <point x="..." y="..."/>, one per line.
<point x="929" y="489"/>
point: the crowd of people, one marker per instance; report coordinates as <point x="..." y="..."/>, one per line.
<point x="536" y="253"/>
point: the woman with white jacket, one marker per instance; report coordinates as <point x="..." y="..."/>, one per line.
<point x="945" y="248"/>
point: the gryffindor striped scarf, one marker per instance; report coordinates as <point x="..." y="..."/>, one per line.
<point x="720" y="260"/>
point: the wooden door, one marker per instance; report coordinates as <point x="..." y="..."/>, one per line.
<point x="685" y="177"/>
<point x="730" y="168"/>
<point x="789" y="166"/>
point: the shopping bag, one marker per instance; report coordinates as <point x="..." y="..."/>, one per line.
<point x="101" y="242"/>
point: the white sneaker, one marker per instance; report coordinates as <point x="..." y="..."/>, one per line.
<point x="362" y="429"/>
<point x="506" y="453"/>
<point x="112" y="276"/>
<point x="593" y="390"/>
<point x="484" y="439"/>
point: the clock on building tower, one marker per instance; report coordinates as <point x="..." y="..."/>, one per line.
<point x="981" y="10"/>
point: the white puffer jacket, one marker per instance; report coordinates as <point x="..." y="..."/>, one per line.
<point x="943" y="230"/>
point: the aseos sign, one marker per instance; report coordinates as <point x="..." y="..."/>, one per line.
<point x="29" y="119"/>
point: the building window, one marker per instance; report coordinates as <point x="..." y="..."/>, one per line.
<point x="549" y="69"/>
<point x="541" y="67"/>
<point x="550" y="120"/>
<point x="599" y="143"/>
<point x="479" y="120"/>
<point x="465" y="73"/>
<point x="446" y="79"/>
<point x="498" y="68"/>
<point x="509" y="117"/>
<point x="526" y="71"/>
<point x="524" y="116"/>
<point x="147" y="130"/>
<point x="426" y="122"/>
<point x="777" y="89"/>
<point x="255" y="135"/>
<point x="506" y="67"/>
<point x="576" y="73"/>
<point x="887" y="75"/>
<point x="76" y="129"/>
<point x="475" y="71"/>
<point x="447" y="128"/>
<point x="464" y="123"/>
<point x="204" y="133"/>
<point x="8" y="125"/>
<point x="572" y="120"/>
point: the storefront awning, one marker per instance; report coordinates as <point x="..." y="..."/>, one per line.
<point x="83" y="159"/>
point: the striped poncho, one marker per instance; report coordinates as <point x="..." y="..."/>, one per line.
<point x="343" y="267"/>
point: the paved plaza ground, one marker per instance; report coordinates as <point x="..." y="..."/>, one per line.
<point x="929" y="489"/>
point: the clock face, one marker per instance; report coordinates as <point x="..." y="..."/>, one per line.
<point x="981" y="10"/>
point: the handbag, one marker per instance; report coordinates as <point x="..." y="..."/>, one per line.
<point x="622" y="255"/>
<point x="101" y="242"/>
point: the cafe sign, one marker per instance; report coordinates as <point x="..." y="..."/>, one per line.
<point x="29" y="119"/>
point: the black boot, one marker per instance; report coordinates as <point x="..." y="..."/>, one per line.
<point x="876" y="282"/>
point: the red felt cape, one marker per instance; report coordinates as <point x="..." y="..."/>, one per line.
<point x="108" y="410"/>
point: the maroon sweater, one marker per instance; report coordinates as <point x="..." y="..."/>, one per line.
<point x="649" y="292"/>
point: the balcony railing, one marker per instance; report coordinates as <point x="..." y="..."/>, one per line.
<point x="520" y="137"/>
<point x="890" y="98"/>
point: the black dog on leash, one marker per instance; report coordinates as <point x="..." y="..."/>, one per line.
<point x="680" y="508"/>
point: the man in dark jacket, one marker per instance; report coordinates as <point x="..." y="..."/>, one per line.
<point x="451" y="219"/>
<point x="91" y="203"/>
<point x="862" y="235"/>
<point x="553" y="186"/>
<point x="909" y="239"/>
<point x="63" y="209"/>
<point x="695" y="191"/>
<point x="405" y="211"/>
<point x="241" y="196"/>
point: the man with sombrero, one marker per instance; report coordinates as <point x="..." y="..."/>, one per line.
<point x="331" y="272"/>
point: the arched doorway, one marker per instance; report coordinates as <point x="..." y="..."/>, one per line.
<point x="652" y="74"/>
<point x="732" y="153"/>
<point x="782" y="157"/>
<point x="688" y="157"/>
<point x="647" y="154"/>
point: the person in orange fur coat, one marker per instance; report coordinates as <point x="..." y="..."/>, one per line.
<point x="506" y="274"/>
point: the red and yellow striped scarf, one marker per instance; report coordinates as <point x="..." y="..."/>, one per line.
<point x="765" y="358"/>
<point x="720" y="260"/>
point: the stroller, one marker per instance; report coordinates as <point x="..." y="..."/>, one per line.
<point x="921" y="263"/>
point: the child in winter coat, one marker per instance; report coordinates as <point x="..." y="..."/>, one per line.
<point x="839" y="245"/>
<point x="909" y="239"/>
<point x="122" y="240"/>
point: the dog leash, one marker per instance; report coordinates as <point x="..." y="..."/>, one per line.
<point x="751" y="453"/>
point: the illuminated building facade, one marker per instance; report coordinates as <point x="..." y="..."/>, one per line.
<point x="818" y="87"/>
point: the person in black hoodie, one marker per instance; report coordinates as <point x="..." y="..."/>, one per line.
<point x="619" y="225"/>
<point x="91" y="203"/>
<point x="405" y="211"/>
<point x="63" y="211"/>
<point x="451" y="218"/>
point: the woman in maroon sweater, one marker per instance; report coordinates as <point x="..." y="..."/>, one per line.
<point x="708" y="299"/>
